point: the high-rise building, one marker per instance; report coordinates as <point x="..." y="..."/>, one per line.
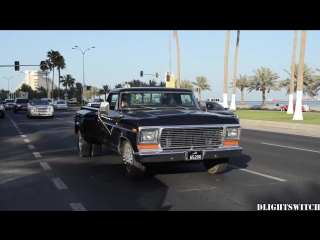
<point x="36" y="79"/>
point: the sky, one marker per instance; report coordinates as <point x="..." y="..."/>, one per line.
<point x="120" y="55"/>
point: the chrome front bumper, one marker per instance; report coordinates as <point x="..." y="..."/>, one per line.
<point x="180" y="155"/>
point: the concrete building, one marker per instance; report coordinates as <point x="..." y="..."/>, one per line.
<point x="37" y="78"/>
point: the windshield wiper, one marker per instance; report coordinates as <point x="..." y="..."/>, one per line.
<point x="139" y="107"/>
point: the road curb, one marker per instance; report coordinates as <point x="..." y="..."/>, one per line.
<point x="286" y="127"/>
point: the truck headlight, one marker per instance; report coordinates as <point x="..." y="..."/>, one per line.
<point x="149" y="136"/>
<point x="233" y="133"/>
<point x="1" y="107"/>
<point x="34" y="109"/>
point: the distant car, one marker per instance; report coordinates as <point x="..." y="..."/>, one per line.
<point x="8" y="103"/>
<point x="59" y="104"/>
<point x="49" y="100"/>
<point x="71" y="101"/>
<point x="2" y="109"/>
<point x="20" y="104"/>
<point x="304" y="108"/>
<point x="215" y="107"/>
<point x="40" y="108"/>
<point x="95" y="103"/>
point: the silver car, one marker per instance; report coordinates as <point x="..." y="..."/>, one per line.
<point x="8" y="103"/>
<point x="40" y="108"/>
<point x="60" y="104"/>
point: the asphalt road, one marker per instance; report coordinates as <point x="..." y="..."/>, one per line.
<point x="40" y="171"/>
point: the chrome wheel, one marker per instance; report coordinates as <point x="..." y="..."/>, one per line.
<point x="133" y="169"/>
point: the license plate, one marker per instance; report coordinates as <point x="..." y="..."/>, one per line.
<point x="194" y="155"/>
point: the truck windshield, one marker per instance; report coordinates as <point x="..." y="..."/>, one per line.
<point x="154" y="99"/>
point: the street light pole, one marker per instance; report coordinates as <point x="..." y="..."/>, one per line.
<point x="8" y="83"/>
<point x="83" y="82"/>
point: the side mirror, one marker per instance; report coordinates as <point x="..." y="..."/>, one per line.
<point x="203" y="106"/>
<point x="104" y="108"/>
<point x="226" y="108"/>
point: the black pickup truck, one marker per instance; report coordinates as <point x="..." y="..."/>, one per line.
<point x="149" y="125"/>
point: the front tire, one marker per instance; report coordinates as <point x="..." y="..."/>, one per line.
<point x="133" y="169"/>
<point x="96" y="150"/>
<point x="84" y="148"/>
<point x="216" y="166"/>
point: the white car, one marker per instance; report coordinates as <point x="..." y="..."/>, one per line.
<point x="60" y="104"/>
<point x="8" y="103"/>
<point x="40" y="108"/>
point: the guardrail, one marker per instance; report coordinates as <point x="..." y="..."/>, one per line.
<point x="288" y="127"/>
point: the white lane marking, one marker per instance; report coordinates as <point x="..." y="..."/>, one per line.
<point x="23" y="136"/>
<point x="59" y="118"/>
<point x="260" y="174"/>
<point x="45" y="166"/>
<point x="77" y="207"/>
<point x="18" y="129"/>
<point x="36" y="154"/>
<point x="70" y="122"/>
<point x="59" y="184"/>
<point x="20" y="132"/>
<point x="31" y="146"/>
<point x="302" y="149"/>
<point x="26" y="140"/>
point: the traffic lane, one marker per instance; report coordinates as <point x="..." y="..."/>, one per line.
<point x="100" y="184"/>
<point x="281" y="160"/>
<point x="24" y="184"/>
<point x="285" y="139"/>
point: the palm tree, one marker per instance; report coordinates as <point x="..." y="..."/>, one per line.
<point x="290" y="106"/>
<point x="202" y="84"/>
<point x="67" y="81"/>
<point x="298" y="109"/>
<point x="307" y="77"/>
<point x="162" y="84"/>
<point x="233" y="98"/>
<point x="152" y="83"/>
<point x="106" y="88"/>
<point x="118" y="85"/>
<point x="60" y="64"/>
<point x="225" y="83"/>
<point x="175" y="32"/>
<point x="52" y="56"/>
<point x="241" y="83"/>
<point x="187" y="84"/>
<point x="265" y="81"/>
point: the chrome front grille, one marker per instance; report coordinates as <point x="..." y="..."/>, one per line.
<point x="186" y="138"/>
<point x="42" y="109"/>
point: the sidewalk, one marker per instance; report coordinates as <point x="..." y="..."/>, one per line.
<point x="298" y="128"/>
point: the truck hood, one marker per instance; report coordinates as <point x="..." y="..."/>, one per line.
<point x="176" y="117"/>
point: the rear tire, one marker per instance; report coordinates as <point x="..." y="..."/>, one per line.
<point x="96" y="150"/>
<point x="216" y="166"/>
<point x="84" y="148"/>
<point x="133" y="169"/>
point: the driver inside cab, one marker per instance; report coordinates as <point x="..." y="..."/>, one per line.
<point x="166" y="99"/>
<point x="125" y="99"/>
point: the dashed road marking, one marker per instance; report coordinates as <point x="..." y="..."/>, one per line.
<point x="59" y="184"/>
<point x="23" y="136"/>
<point x="20" y="132"/>
<point x="71" y="122"/>
<point x="302" y="149"/>
<point x="31" y="146"/>
<point x="36" y="154"/>
<point x="77" y="207"/>
<point x="26" y="140"/>
<point x="45" y="166"/>
<point x="59" y="118"/>
<point x="260" y="174"/>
